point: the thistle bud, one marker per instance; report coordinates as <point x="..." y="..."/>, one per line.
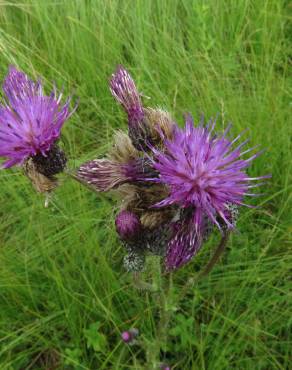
<point x="145" y="124"/>
<point x="128" y="225"/>
<point x="104" y="174"/>
<point x="129" y="336"/>
<point x="124" y="90"/>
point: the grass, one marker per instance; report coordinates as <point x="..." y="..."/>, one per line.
<point x="65" y="297"/>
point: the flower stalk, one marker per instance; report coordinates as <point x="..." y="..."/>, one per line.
<point x="216" y="256"/>
<point x="161" y="297"/>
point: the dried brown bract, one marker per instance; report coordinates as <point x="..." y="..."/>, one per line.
<point x="40" y="182"/>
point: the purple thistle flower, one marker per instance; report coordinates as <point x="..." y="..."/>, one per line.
<point x="126" y="336"/>
<point x="124" y="90"/>
<point x="30" y="122"/>
<point x="205" y="175"/>
<point x="184" y="243"/>
<point x="105" y="174"/>
<point x="129" y="336"/>
<point x="128" y="224"/>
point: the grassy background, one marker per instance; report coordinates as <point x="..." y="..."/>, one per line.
<point x="64" y="296"/>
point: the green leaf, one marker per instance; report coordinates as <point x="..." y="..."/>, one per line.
<point x="95" y="339"/>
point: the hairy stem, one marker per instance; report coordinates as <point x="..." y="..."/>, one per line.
<point x="161" y="298"/>
<point x="164" y="311"/>
<point x="142" y="285"/>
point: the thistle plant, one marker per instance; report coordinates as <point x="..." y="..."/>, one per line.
<point x="176" y="185"/>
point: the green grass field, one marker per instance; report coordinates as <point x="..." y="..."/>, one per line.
<point x="65" y="297"/>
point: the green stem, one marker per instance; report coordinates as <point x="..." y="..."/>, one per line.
<point x="161" y="298"/>
<point x="214" y="259"/>
<point x="164" y="311"/>
<point x="219" y="250"/>
<point x="142" y="285"/>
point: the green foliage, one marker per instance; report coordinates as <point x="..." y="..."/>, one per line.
<point x="72" y="357"/>
<point x="184" y="331"/>
<point x="60" y="268"/>
<point x="94" y="338"/>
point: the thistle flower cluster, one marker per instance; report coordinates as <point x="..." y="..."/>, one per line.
<point x="176" y="184"/>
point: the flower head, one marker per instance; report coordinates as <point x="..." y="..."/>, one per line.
<point x="106" y="174"/>
<point x="185" y="241"/>
<point x="129" y="336"/>
<point x="30" y="121"/>
<point x="203" y="171"/>
<point x="144" y="123"/>
<point x="206" y="178"/>
<point x="123" y="88"/>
